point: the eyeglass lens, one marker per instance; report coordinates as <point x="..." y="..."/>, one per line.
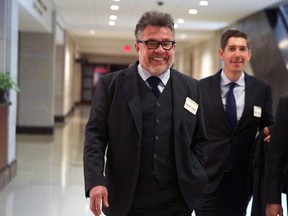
<point x="155" y="44"/>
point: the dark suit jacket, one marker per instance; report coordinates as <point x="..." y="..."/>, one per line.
<point x="220" y="138"/>
<point x="116" y="122"/>
<point x="257" y="173"/>
<point x="277" y="154"/>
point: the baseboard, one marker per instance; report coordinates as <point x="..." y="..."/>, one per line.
<point x="34" y="130"/>
<point x="61" y="118"/>
<point x="7" y="174"/>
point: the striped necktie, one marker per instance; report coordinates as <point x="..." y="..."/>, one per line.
<point x="153" y="82"/>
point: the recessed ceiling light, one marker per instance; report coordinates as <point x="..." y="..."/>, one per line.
<point x="180" y="21"/>
<point x="92" y="31"/>
<point x="114" y="7"/>
<point x="183" y="36"/>
<point x="192" y="11"/>
<point x="117" y="0"/>
<point x="175" y="25"/>
<point x="111" y="23"/>
<point x="113" y="17"/>
<point x="203" y="3"/>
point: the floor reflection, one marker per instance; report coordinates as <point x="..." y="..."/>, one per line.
<point x="49" y="180"/>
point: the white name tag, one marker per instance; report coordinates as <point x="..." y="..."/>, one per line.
<point x="191" y="106"/>
<point x="257" y="111"/>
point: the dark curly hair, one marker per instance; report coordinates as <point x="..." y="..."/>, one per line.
<point x="154" y="18"/>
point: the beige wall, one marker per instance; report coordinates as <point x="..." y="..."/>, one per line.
<point x="59" y="80"/>
<point x="67" y="79"/>
<point x="77" y="82"/>
<point x="199" y="60"/>
<point x="36" y="72"/>
<point x="68" y="96"/>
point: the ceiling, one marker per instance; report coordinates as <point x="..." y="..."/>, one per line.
<point x="81" y="16"/>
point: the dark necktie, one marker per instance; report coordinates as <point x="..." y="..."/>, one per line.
<point x="153" y="82"/>
<point x="231" y="111"/>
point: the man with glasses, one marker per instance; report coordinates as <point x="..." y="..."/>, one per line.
<point x="147" y="120"/>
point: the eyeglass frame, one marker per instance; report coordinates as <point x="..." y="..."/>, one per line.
<point x="159" y="43"/>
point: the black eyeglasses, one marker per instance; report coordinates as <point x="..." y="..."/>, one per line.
<point x="152" y="44"/>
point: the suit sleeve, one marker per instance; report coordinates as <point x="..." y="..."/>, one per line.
<point x="268" y="114"/>
<point x="96" y="139"/>
<point x="277" y="153"/>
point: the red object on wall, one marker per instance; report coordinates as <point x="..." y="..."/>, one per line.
<point x="127" y="48"/>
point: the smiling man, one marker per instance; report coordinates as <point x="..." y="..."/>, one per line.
<point x="147" y="120"/>
<point x="236" y="107"/>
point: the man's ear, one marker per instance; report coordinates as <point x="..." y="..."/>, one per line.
<point x="136" y="45"/>
<point x="249" y="54"/>
<point x="220" y="53"/>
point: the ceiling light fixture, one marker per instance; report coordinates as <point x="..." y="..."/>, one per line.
<point x="112" y="23"/>
<point x="114" y="7"/>
<point x="182" y="36"/>
<point x="203" y="3"/>
<point x="113" y="17"/>
<point x="192" y="11"/>
<point x="180" y="21"/>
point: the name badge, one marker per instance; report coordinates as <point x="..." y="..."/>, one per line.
<point x="257" y="111"/>
<point x="191" y="106"/>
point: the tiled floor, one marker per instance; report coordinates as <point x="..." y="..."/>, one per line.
<point x="49" y="179"/>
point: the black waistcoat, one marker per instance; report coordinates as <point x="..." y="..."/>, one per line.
<point x="157" y="157"/>
<point x="157" y="182"/>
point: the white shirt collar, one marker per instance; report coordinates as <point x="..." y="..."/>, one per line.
<point x="225" y="81"/>
<point x="145" y="74"/>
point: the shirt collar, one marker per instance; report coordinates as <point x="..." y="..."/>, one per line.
<point x="145" y="74"/>
<point x="225" y="81"/>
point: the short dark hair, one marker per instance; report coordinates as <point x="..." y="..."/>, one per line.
<point x="154" y="18"/>
<point x="232" y="33"/>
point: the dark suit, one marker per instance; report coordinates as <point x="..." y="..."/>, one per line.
<point x="257" y="173"/>
<point x="277" y="154"/>
<point x="222" y="142"/>
<point x="116" y="122"/>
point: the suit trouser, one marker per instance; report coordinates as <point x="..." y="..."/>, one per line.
<point x="153" y="199"/>
<point x="229" y="199"/>
<point x="171" y="209"/>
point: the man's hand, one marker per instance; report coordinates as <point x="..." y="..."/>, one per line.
<point x="274" y="210"/>
<point x="97" y="195"/>
<point x="267" y="134"/>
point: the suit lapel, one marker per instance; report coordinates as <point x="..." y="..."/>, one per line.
<point x="179" y="93"/>
<point x="131" y="91"/>
<point x="215" y="96"/>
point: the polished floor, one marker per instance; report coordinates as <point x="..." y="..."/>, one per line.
<point x="49" y="180"/>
